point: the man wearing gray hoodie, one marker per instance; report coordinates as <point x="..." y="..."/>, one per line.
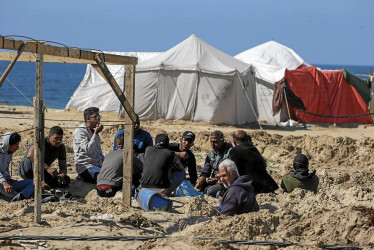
<point x="88" y="156"/>
<point x="17" y="190"/>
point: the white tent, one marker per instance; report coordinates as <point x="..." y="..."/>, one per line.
<point x="269" y="61"/>
<point x="95" y="91"/>
<point x="195" y="81"/>
<point x="191" y="81"/>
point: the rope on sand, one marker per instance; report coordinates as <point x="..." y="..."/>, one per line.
<point x="328" y="116"/>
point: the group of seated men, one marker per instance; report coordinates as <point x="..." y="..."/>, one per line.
<point x="233" y="174"/>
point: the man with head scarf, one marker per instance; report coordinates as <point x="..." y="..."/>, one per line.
<point x="300" y="177"/>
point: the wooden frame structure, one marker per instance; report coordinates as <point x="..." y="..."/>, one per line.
<point x="47" y="53"/>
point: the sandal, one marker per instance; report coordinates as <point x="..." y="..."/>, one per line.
<point x="182" y="224"/>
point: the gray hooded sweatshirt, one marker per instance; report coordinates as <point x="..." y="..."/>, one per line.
<point x="87" y="149"/>
<point x="5" y="158"/>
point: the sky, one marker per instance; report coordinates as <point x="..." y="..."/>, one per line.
<point x="321" y="31"/>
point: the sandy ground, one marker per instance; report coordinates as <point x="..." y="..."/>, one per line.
<point x="341" y="213"/>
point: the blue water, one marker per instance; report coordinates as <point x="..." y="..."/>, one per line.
<point x="61" y="80"/>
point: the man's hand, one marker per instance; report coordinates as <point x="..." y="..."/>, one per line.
<point x="53" y="172"/>
<point x="199" y="184"/>
<point x="61" y="179"/>
<point x="183" y="155"/>
<point x="8" y="188"/>
<point x="99" y="128"/>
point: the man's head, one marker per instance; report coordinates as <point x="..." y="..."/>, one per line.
<point x="187" y="141"/>
<point x="162" y="140"/>
<point x="120" y="141"/>
<point x="217" y="140"/>
<point x="14" y="140"/>
<point x="301" y="161"/>
<point x="137" y="125"/>
<point x="92" y="117"/>
<point x="241" y="136"/>
<point x="228" y="172"/>
<point x="55" y="136"/>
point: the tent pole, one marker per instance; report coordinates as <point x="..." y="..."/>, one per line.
<point x="245" y="91"/>
<point x="285" y="97"/>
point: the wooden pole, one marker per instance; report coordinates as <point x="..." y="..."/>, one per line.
<point x="104" y="71"/>
<point x="129" y="137"/>
<point x="38" y="139"/>
<point x="11" y="64"/>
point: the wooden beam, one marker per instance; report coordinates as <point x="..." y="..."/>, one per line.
<point x="38" y="140"/>
<point x="112" y="82"/>
<point x="129" y="137"/>
<point x="30" y="57"/>
<point x="67" y="52"/>
<point x="11" y="64"/>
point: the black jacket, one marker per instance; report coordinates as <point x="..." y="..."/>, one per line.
<point x="158" y="162"/>
<point x="250" y="162"/>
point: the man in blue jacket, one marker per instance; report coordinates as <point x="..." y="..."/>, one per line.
<point x="239" y="197"/>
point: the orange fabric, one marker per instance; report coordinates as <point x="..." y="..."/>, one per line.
<point x="326" y="93"/>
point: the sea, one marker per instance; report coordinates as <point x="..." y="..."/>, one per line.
<point x="61" y="80"/>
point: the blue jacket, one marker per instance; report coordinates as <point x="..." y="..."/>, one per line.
<point x="142" y="140"/>
<point x="239" y="198"/>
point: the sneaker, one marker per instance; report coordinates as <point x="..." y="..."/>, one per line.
<point x="18" y="197"/>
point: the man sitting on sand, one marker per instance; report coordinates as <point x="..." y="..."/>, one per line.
<point x="239" y="197"/>
<point x="162" y="169"/>
<point x="53" y="149"/>
<point x="16" y="190"/>
<point x="110" y="178"/>
<point x="182" y="150"/>
<point x="300" y="176"/>
<point x="208" y="177"/>
<point x="250" y="162"/>
<point x="142" y="139"/>
<point x="88" y="156"/>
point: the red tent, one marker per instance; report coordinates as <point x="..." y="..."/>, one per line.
<point x="326" y="93"/>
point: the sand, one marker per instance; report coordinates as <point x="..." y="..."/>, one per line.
<point x="341" y="213"/>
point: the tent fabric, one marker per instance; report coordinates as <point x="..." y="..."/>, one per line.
<point x="95" y="91"/>
<point x="193" y="54"/>
<point x="362" y="86"/>
<point x="269" y="61"/>
<point x="191" y="81"/>
<point x="327" y="93"/>
<point x="195" y="81"/>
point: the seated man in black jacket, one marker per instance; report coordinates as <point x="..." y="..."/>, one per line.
<point x="250" y="162"/>
<point x="182" y="150"/>
<point x="162" y="169"/>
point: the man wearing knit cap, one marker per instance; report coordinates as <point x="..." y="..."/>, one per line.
<point x="162" y="169"/>
<point x="300" y="176"/>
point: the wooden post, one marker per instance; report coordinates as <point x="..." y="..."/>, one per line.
<point x="129" y="137"/>
<point x="10" y="66"/>
<point x="38" y="139"/>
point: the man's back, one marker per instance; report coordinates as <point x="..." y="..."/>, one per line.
<point x="250" y="162"/>
<point x="289" y="183"/>
<point x="111" y="172"/>
<point x="157" y="167"/>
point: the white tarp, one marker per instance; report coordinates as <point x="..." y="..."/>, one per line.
<point x="269" y="61"/>
<point x="191" y="81"/>
<point x="195" y="81"/>
<point x="95" y="91"/>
